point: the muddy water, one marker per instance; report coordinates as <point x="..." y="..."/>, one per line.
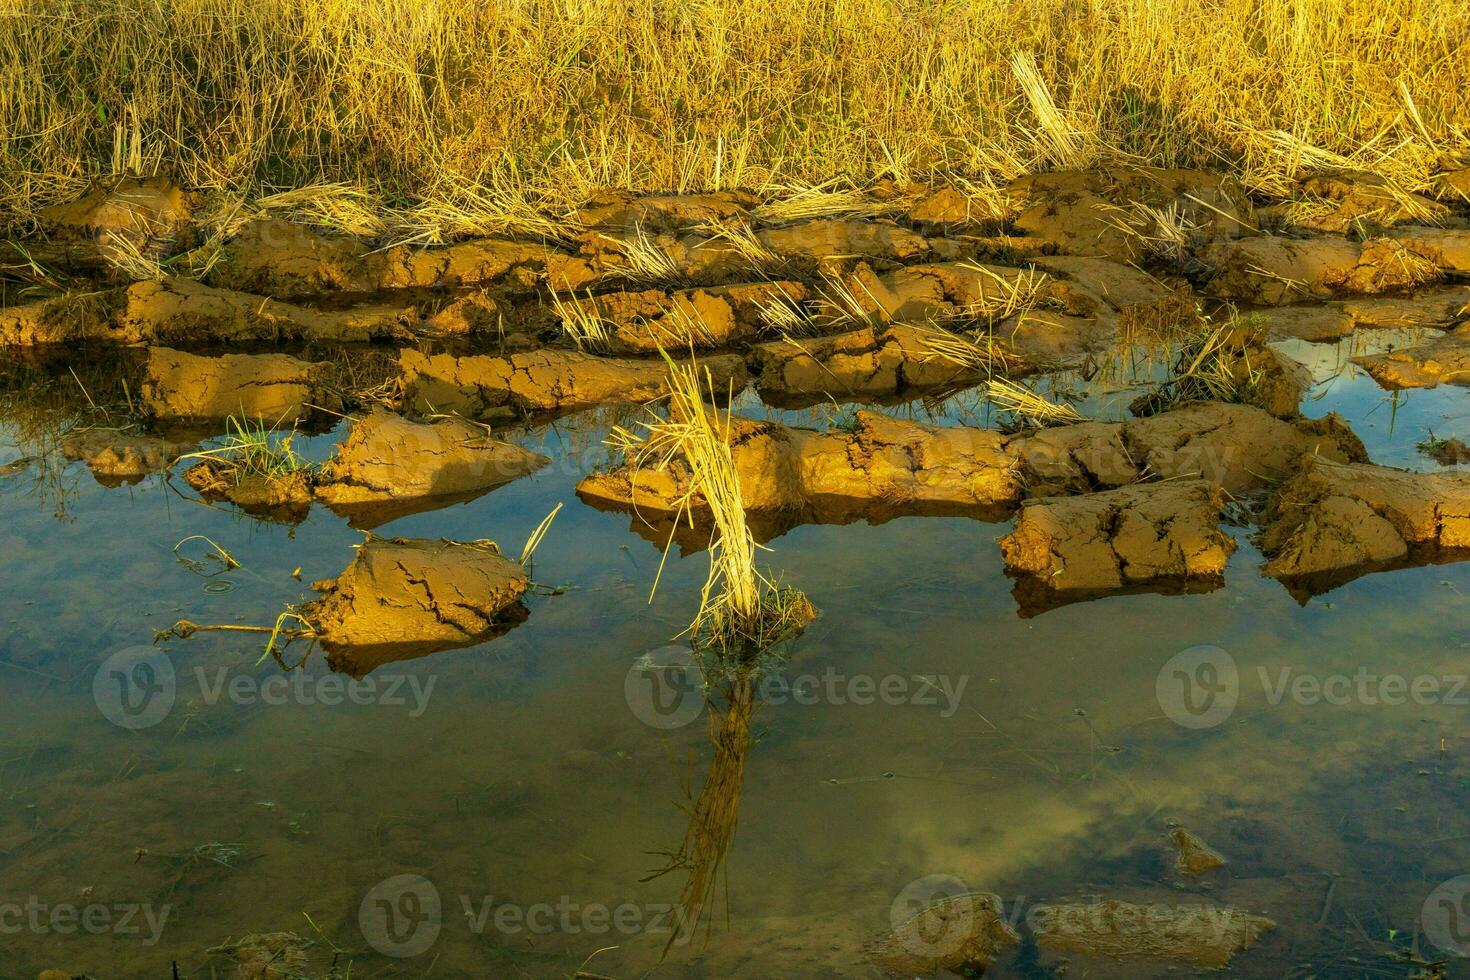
<point x="529" y="786"/>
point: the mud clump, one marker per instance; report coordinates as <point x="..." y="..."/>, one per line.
<point x="1334" y="522"/>
<point x="182" y="311"/>
<point x="118" y="227"/>
<point x="116" y="457"/>
<point x="407" y="594"/>
<point x="1192" y="856"/>
<point x="960" y="935"/>
<point x="713" y="316"/>
<point x="1444" y="360"/>
<point x="882" y="468"/>
<point x="1273" y="271"/>
<point x="1447" y="248"/>
<point x="1240" y="447"/>
<point x="1106" y="212"/>
<point x="626" y="210"/>
<point x="1446" y="452"/>
<point x="389" y="466"/>
<point x="1232" y="364"/>
<point x="1199" y="936"/>
<point x="1148" y="535"/>
<point x="285" y="498"/>
<point x="873" y="362"/>
<point x="275" y="388"/>
<point x="540" y="382"/>
<point x="290" y="261"/>
<point x="806" y="248"/>
<point x="1330" y="322"/>
<point x="268" y="956"/>
<point x="1351" y="201"/>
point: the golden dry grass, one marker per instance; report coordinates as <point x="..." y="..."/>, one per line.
<point x="465" y="118"/>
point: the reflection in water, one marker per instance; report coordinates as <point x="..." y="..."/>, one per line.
<point x="730" y="705"/>
<point x="526" y="776"/>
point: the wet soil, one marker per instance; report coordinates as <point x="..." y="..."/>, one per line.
<point x="1069" y="778"/>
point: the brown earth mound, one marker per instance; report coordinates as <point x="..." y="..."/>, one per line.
<point x="406" y="594"/>
<point x="1335" y="522"/>
<point x="883" y="468"/>
<point x="276" y="389"/>
<point x="870" y="363"/>
<point x="1273" y="271"/>
<point x="284" y="499"/>
<point x="1240" y="447"/>
<point x="958" y="935"/>
<point x="544" y="381"/>
<point x="1349" y="201"/>
<point x="1192" y="856"/>
<point x="285" y="260"/>
<point x="389" y="466"/>
<point x="704" y="259"/>
<point x="662" y="212"/>
<point x="182" y="311"/>
<point x="1447" y="248"/>
<point x="1194" y="934"/>
<point x="1103" y="212"/>
<point x="119" y="226"/>
<point x="1159" y="536"/>
<point x="1444" y="360"/>
<point x="1330" y="322"/>
<point x="116" y="457"/>
<point x="713" y="316"/>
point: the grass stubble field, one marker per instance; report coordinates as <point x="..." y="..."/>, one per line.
<point x="426" y="120"/>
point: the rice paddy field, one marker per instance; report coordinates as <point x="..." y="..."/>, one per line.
<point x="599" y="490"/>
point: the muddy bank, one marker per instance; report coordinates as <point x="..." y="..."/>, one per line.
<point x="1240" y="447"/>
<point x="286" y="260"/>
<point x="389" y="467"/>
<point x="117" y="228"/>
<point x="1151" y="536"/>
<point x="1107" y="212"/>
<point x="276" y="389"/>
<point x="182" y="311"/>
<point x="895" y="362"/>
<point x="1330" y="322"/>
<point x="1444" y="360"/>
<point x="646" y="320"/>
<point x="1334" y="522"/>
<point x="409" y="596"/>
<point x="881" y="467"/>
<point x="1202" y="936"/>
<point x="1271" y="270"/>
<point x="117" y="458"/>
<point x="493" y="388"/>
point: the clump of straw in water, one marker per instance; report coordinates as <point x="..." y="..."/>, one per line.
<point x="741" y="611"/>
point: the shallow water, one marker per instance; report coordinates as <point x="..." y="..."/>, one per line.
<point x="920" y="728"/>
